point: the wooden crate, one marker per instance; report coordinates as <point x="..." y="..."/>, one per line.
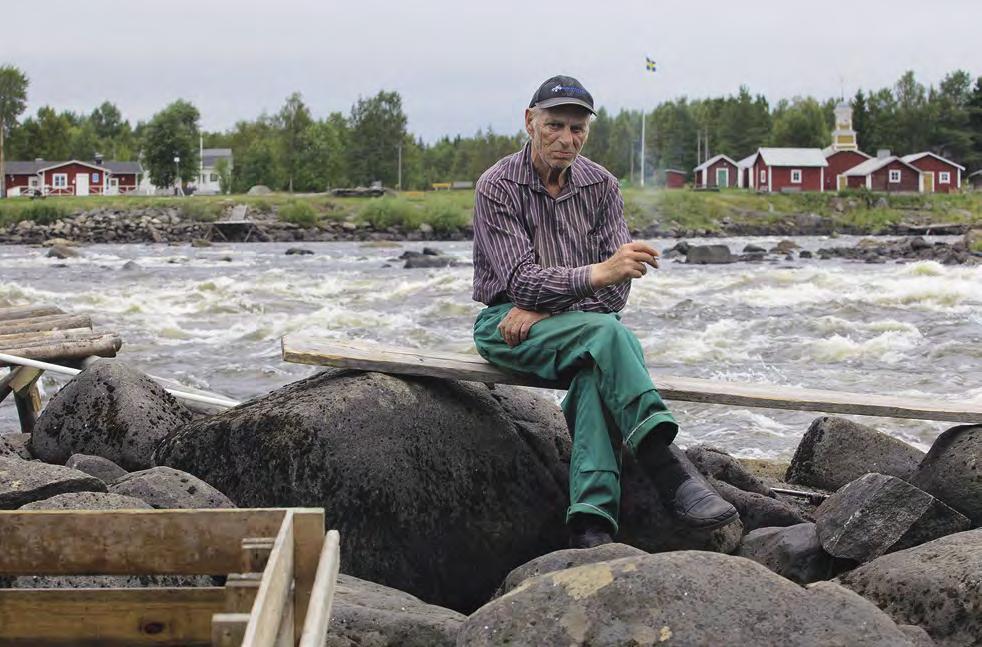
<point x="281" y="574"/>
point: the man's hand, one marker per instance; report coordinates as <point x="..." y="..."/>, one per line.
<point x="517" y="323"/>
<point x="628" y="262"/>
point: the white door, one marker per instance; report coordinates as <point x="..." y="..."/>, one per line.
<point x="81" y="184"/>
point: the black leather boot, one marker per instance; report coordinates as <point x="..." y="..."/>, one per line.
<point x="692" y="500"/>
<point x="588" y="531"/>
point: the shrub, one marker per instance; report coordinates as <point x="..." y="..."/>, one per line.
<point x="299" y="213"/>
<point x="388" y="212"/>
<point x="43" y="213"/>
<point x="200" y="210"/>
<point x="446" y="218"/>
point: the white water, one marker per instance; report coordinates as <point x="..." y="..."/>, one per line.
<point x="899" y="329"/>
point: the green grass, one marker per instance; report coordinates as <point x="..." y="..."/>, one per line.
<point x="448" y="211"/>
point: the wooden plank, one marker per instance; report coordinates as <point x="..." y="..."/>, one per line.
<point x="151" y="616"/>
<point x="228" y="629"/>
<point x="129" y="542"/>
<point x="23" y="312"/>
<point x="274" y="591"/>
<point x="308" y="533"/>
<point x="240" y="591"/>
<point x="459" y="366"/>
<point x="255" y="553"/>
<point x="40" y="336"/>
<point x="322" y="599"/>
<point x="23" y="378"/>
<point x="48" y="322"/>
<point x="103" y="345"/>
<point x="28" y="402"/>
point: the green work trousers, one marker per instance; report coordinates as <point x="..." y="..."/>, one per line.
<point x="611" y="400"/>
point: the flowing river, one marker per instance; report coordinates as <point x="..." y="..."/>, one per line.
<point x="191" y="314"/>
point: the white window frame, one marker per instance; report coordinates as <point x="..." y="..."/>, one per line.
<point x="796" y="176"/>
<point x="213" y="177"/>
<point x="62" y="184"/>
<point x="944" y="177"/>
<point x="32" y="182"/>
<point x="895" y="176"/>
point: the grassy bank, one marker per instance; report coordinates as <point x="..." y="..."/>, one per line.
<point x="447" y="211"/>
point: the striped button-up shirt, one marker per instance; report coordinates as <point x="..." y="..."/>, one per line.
<point x="534" y="250"/>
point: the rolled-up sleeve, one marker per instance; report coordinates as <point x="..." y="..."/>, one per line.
<point x="611" y="233"/>
<point x="502" y="237"/>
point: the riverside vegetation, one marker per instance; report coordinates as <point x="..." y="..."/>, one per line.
<point x="447" y="215"/>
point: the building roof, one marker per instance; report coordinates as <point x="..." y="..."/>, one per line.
<point x="14" y="167"/>
<point x="747" y="161"/>
<point x="211" y="155"/>
<point x="713" y="160"/>
<point x="674" y="170"/>
<point x="875" y="164"/>
<point x="913" y="157"/>
<point x="829" y="151"/>
<point x="974" y="173"/>
<point x="792" y="156"/>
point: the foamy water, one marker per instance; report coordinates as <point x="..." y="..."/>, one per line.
<point x="899" y="329"/>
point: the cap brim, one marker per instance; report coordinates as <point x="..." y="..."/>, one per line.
<point x="564" y="101"/>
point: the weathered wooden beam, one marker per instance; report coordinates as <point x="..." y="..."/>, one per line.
<point x="103" y="345"/>
<point x="240" y="591"/>
<point x="131" y="542"/>
<point x="41" y="336"/>
<point x="28" y="402"/>
<point x="322" y="597"/>
<point x="473" y="368"/>
<point x="255" y="553"/>
<point x="275" y="597"/>
<point x="228" y="629"/>
<point x="308" y="541"/>
<point x="151" y="616"/>
<point x="23" y="312"/>
<point x="49" y="322"/>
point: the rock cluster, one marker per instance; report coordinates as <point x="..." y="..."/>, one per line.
<point x="450" y="498"/>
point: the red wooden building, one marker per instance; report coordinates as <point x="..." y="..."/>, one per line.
<point x="788" y="169"/>
<point x="940" y="175"/>
<point x="719" y="172"/>
<point x="888" y="173"/>
<point x="674" y="178"/>
<point x="840" y="161"/>
<point x="73" y="177"/>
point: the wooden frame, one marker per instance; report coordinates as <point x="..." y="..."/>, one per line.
<point x="276" y="592"/>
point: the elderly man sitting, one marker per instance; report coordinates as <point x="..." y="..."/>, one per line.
<point x="554" y="261"/>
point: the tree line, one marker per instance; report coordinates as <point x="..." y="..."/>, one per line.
<point x="294" y="150"/>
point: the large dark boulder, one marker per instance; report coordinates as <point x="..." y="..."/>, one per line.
<point x="937" y="585"/>
<point x="369" y="614"/>
<point x="793" y="552"/>
<point x="15" y="445"/>
<point x="88" y="501"/>
<point x="560" y="560"/>
<point x="717" y="464"/>
<point x="424" y="478"/>
<point x="879" y="514"/>
<point x="709" y="255"/>
<point x="23" y="481"/>
<point x="757" y="510"/>
<point x="97" y="466"/>
<point x="952" y="470"/>
<point x="109" y="410"/>
<point x="166" y="488"/>
<point x="680" y="598"/>
<point x="835" y="451"/>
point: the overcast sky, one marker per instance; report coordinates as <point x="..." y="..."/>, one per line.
<point x="461" y="66"/>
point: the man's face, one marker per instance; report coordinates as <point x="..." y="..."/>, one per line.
<point x="558" y="134"/>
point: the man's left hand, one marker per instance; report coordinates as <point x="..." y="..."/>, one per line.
<point x="517" y="323"/>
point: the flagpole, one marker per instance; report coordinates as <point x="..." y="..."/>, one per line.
<point x="642" y="147"/>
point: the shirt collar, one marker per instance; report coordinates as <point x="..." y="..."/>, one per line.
<point x="521" y="171"/>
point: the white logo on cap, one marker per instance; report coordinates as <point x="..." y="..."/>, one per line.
<point x="558" y="88"/>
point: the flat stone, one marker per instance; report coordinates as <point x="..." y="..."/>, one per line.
<point x="757" y="510"/>
<point x="835" y="451"/>
<point x="879" y="514"/>
<point x="952" y="470"/>
<point x="793" y="552"/>
<point x="708" y="255"/>
<point x="166" y="488"/>
<point x="88" y="501"/>
<point x="97" y="466"/>
<point x="560" y="560"/>
<point x="23" y="481"/>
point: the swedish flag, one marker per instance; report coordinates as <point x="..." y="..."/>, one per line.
<point x="650" y="63"/>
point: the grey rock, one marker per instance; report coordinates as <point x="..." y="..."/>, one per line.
<point x="879" y="514"/>
<point x="97" y="466"/>
<point x="369" y="614"/>
<point x="23" y="481"/>
<point x="165" y="488"/>
<point x="952" y="470"/>
<point x="937" y="586"/>
<point x="108" y="410"/>
<point x="757" y="510"/>
<point x="917" y="636"/>
<point x="753" y="249"/>
<point x="721" y="466"/>
<point x="793" y="552"/>
<point x="835" y="451"/>
<point x="679" y="598"/>
<point x="299" y="251"/>
<point x="62" y="252"/>
<point x="560" y="560"/>
<point x="427" y="261"/>
<point x="709" y="255"/>
<point x="16" y="445"/>
<point x="259" y="189"/>
<point x="131" y="266"/>
<point x="110" y="581"/>
<point x="88" y="501"/>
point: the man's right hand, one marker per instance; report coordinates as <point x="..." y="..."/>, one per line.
<point x="628" y="262"/>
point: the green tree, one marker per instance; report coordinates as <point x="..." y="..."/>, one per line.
<point x="803" y="123"/>
<point x="293" y="122"/>
<point x="973" y="159"/>
<point x="377" y="128"/>
<point x="860" y="119"/>
<point x="952" y="134"/>
<point x="224" y="171"/>
<point x="258" y="164"/>
<point x="744" y="124"/>
<point x="172" y="132"/>
<point x="13" y="100"/>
